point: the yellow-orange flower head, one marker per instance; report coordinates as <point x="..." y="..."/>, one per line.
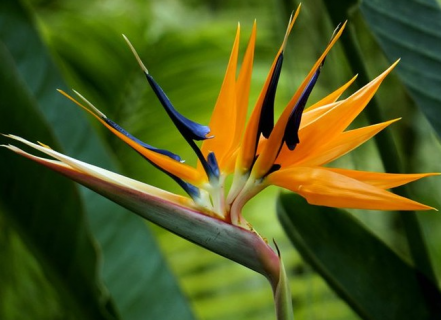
<point x="290" y="152"/>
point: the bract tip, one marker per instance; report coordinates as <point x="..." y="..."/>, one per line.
<point x="141" y="64"/>
<point x="291" y="21"/>
<point x="95" y="109"/>
<point x="277" y="248"/>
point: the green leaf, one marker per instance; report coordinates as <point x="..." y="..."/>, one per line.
<point x="46" y="209"/>
<point x="366" y="273"/>
<point x="133" y="268"/>
<point x="410" y="30"/>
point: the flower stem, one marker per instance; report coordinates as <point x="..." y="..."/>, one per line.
<point x="279" y="281"/>
<point x="282" y="296"/>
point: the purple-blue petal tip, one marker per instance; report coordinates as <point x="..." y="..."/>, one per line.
<point x="291" y="136"/>
<point x="145" y="145"/>
<point x="266" y="121"/>
<point x="188" y="128"/>
<point x="213" y="165"/>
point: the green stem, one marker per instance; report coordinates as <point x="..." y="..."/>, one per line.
<point x="282" y="296"/>
<point x="276" y="275"/>
<point x="386" y="146"/>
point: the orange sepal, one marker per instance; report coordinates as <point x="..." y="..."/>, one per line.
<point x="178" y="169"/>
<point x="320" y="186"/>
<point x="382" y="180"/>
<point x="330" y="98"/>
<point x="223" y="119"/>
<point x="339" y="146"/>
<point x="243" y="88"/>
<point x="309" y="116"/>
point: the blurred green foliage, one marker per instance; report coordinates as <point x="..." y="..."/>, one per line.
<point x="185" y="45"/>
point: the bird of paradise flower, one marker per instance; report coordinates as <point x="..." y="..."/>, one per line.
<point x="290" y="153"/>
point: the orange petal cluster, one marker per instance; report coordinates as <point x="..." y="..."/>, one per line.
<point x="259" y="160"/>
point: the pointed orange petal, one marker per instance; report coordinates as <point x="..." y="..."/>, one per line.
<point x="382" y="180"/>
<point x="311" y="115"/>
<point x="266" y="159"/>
<point x="223" y="119"/>
<point x="326" y="188"/>
<point x="242" y="92"/>
<point x="243" y="86"/>
<point x="331" y="124"/>
<point x="172" y="166"/>
<point x="261" y="144"/>
<point x="249" y="142"/>
<point x="342" y="144"/>
<point x="333" y="96"/>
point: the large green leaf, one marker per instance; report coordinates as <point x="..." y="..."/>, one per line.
<point x="410" y="30"/>
<point x="46" y="209"/>
<point x="133" y="268"/>
<point x="368" y="275"/>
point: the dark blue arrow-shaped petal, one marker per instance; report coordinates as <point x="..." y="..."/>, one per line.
<point x="291" y="136"/>
<point x="145" y="145"/>
<point x="189" y="129"/>
<point x="266" y="122"/>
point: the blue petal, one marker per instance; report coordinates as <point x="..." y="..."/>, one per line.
<point x="291" y="136"/>
<point x="212" y="164"/>
<point x="266" y="122"/>
<point x="191" y="190"/>
<point x="189" y="129"/>
<point x="145" y="145"/>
